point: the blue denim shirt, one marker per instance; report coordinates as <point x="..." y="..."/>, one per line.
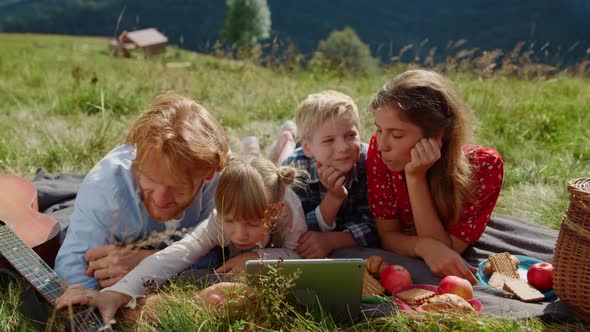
<point x="354" y="214"/>
<point x="109" y="210"/>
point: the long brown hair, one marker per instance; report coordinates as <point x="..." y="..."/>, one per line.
<point x="429" y="101"/>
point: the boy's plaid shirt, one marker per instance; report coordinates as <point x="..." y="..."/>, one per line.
<point x="354" y="214"/>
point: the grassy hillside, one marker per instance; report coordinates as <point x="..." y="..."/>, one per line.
<point x="64" y="103"/>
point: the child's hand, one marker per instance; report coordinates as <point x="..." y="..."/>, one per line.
<point x="107" y="302"/>
<point x="222" y="293"/>
<point x="424" y="154"/>
<point x="444" y="261"/>
<point x="332" y="179"/>
<point x="236" y="264"/>
<point x="314" y="245"/>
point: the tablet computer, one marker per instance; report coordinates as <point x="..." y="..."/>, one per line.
<point x="335" y="284"/>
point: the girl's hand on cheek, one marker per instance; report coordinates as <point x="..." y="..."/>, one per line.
<point x="424" y="154"/>
<point x="332" y="179"/>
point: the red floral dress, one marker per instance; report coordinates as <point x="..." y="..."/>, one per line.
<point x="389" y="199"/>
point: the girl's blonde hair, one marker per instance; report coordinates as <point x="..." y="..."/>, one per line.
<point x="183" y="133"/>
<point x="249" y="185"/>
<point x="429" y="101"/>
<point x="319" y="107"/>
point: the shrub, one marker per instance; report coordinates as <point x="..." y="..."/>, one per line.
<point x="344" y="51"/>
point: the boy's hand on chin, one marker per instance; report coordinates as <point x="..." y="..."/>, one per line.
<point x="314" y="245"/>
<point x="332" y="179"/>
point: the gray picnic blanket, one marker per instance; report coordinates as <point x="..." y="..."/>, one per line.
<point x="57" y="192"/>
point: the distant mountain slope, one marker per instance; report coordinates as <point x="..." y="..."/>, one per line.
<point x="562" y="26"/>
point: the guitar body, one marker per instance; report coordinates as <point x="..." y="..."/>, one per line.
<point x="19" y="210"/>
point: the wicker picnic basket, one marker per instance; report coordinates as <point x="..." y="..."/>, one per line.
<point x="571" y="259"/>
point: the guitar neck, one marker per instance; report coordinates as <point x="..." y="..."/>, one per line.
<point x="43" y="278"/>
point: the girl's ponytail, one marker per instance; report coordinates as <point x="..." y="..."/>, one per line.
<point x="291" y="176"/>
<point x="286" y="174"/>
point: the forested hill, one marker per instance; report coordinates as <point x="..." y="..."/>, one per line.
<point x="551" y="26"/>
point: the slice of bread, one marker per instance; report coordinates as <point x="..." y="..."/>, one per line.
<point x="370" y="285"/>
<point x="487" y="269"/>
<point x="497" y="280"/>
<point x="523" y="290"/>
<point x="502" y="263"/>
<point x="415" y="296"/>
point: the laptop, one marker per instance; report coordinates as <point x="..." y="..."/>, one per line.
<point x="335" y="284"/>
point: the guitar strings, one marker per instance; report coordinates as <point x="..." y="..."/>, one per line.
<point x="24" y="259"/>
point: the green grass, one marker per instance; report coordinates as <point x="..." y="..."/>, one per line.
<point x="64" y="103"/>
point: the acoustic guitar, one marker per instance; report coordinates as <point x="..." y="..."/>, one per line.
<point x="29" y="242"/>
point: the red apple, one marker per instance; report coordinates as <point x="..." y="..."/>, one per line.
<point x="456" y="285"/>
<point x="393" y="277"/>
<point x="540" y="276"/>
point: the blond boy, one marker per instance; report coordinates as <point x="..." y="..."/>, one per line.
<point x="335" y="198"/>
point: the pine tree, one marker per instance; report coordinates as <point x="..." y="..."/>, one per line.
<point x="247" y="22"/>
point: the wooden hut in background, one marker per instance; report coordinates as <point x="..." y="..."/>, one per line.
<point x="149" y="41"/>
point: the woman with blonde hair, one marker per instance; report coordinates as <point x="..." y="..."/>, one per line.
<point x="431" y="192"/>
<point x="257" y="215"/>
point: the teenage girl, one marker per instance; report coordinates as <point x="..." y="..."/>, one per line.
<point x="430" y="192"/>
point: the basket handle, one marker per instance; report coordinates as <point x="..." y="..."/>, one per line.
<point x="582" y="204"/>
<point x="580" y="193"/>
<point x="581" y="231"/>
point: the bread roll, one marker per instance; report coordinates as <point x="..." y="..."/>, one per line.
<point x="375" y="265"/>
<point x="447" y="303"/>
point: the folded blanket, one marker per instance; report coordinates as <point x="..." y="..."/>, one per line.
<point x="504" y="233"/>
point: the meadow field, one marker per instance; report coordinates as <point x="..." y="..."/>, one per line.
<point x="65" y="102"/>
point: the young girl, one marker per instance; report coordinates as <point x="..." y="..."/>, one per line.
<point x="255" y="210"/>
<point x="431" y="193"/>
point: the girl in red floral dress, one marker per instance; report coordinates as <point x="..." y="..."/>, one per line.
<point x="431" y="193"/>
